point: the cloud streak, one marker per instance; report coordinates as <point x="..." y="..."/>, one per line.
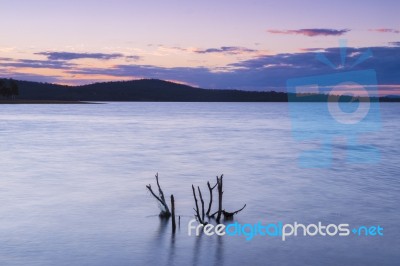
<point x="385" y="30"/>
<point x="232" y="50"/>
<point x="29" y="63"/>
<point x="311" y="32"/>
<point x="133" y="58"/>
<point x="66" y="56"/>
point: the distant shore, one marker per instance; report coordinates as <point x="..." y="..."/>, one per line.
<point x="41" y="102"/>
<point x="154" y="90"/>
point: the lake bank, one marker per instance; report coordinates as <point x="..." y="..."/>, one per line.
<point x="42" y="102"/>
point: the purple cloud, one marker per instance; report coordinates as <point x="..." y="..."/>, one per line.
<point x="311" y="49"/>
<point x="226" y="50"/>
<point x="28" y="63"/>
<point x="133" y="58"/>
<point x="31" y="77"/>
<point x="385" y="30"/>
<point x="71" y="56"/>
<point x="311" y="32"/>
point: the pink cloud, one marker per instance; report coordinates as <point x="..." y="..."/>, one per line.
<point x="385" y="30"/>
<point x="311" y="32"/>
<point x="226" y="50"/>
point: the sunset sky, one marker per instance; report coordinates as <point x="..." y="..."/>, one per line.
<point x="252" y="45"/>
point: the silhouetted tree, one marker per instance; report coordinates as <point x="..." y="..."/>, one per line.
<point x="2" y="87"/>
<point x="9" y="88"/>
<point x="14" y="88"/>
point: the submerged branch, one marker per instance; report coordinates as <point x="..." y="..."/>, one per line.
<point x="230" y="214"/>
<point x="202" y="203"/>
<point x="201" y="220"/>
<point x="160" y="198"/>
<point x="162" y="195"/>
<point x="173" y="213"/>
<point x="210" y="189"/>
<point x="220" y="192"/>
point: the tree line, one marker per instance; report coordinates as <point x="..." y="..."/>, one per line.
<point x="8" y="88"/>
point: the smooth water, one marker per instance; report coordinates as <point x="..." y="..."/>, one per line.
<point x="72" y="187"/>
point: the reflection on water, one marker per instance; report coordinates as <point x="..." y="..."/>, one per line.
<point x="171" y="254"/>
<point x="197" y="249"/>
<point x="73" y="181"/>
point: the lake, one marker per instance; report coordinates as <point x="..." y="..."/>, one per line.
<point x="73" y="177"/>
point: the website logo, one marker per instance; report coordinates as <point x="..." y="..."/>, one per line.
<point x="349" y="107"/>
<point x="282" y="230"/>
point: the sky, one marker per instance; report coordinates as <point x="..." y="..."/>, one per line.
<point x="250" y="45"/>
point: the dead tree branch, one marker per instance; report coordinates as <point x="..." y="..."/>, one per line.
<point x="199" y="218"/>
<point x="173" y="213"/>
<point x="220" y="192"/>
<point x="228" y="215"/>
<point x="200" y="215"/>
<point x="210" y="189"/>
<point x="202" y="203"/>
<point x="161" y="194"/>
<point x="165" y="211"/>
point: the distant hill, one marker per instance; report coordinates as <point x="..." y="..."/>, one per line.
<point x="140" y="90"/>
<point x="392" y="96"/>
<point x="148" y="90"/>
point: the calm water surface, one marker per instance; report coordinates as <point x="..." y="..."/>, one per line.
<point x="72" y="186"/>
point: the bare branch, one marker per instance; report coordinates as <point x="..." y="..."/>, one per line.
<point x="230" y="214"/>
<point x="162" y="194"/>
<point x="202" y="203"/>
<point x="212" y="215"/>
<point x="220" y="192"/>
<point x="160" y="198"/>
<point x="210" y="189"/>
<point x="197" y="207"/>
<point x="173" y="213"/>
<point x="151" y="191"/>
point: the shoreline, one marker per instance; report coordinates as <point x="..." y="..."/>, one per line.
<point x="104" y="102"/>
<point x="43" y="102"/>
